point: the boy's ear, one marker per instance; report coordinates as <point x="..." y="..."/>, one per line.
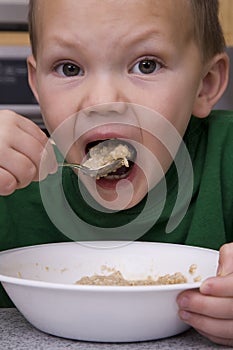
<point x="31" y="65"/>
<point x="212" y="86"/>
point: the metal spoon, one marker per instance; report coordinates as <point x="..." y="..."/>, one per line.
<point x="98" y="172"/>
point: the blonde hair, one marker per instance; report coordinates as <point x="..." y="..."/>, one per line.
<point x="207" y="28"/>
<point x="208" y="33"/>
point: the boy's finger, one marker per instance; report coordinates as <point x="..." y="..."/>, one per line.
<point x="222" y="285"/>
<point x="49" y="157"/>
<point x="36" y="152"/>
<point x="218" y="286"/>
<point x="8" y="183"/>
<point x="225" y="260"/>
<point x="20" y="167"/>
<point x="31" y="128"/>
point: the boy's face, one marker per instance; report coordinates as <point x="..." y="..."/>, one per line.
<point x="94" y="53"/>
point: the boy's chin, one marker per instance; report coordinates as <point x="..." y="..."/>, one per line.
<point x="115" y="195"/>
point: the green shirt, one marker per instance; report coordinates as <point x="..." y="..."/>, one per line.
<point x="207" y="222"/>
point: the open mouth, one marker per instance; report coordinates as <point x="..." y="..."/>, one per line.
<point x="104" y="153"/>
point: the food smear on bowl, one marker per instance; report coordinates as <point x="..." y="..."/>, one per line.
<point x="193" y="269"/>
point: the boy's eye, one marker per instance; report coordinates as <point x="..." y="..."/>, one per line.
<point x="146" y="66"/>
<point x="69" y="70"/>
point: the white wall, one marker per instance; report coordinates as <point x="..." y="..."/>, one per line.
<point x="13" y="11"/>
<point x="13" y="2"/>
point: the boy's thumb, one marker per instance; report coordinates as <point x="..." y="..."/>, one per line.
<point x="225" y="264"/>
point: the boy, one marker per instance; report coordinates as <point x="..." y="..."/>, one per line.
<point x="125" y="69"/>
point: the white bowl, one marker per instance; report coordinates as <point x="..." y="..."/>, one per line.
<point x="40" y="280"/>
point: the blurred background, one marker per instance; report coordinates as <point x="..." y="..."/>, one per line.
<point x="226" y="17"/>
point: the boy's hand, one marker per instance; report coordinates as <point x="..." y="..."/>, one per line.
<point x="210" y="310"/>
<point x="21" y="146"/>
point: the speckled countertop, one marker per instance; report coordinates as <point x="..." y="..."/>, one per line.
<point x="17" y="333"/>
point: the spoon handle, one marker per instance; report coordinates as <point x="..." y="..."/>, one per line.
<point x="84" y="169"/>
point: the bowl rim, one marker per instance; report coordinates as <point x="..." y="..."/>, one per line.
<point x="90" y="288"/>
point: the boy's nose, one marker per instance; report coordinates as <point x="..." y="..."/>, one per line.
<point x="103" y="96"/>
<point x="106" y="109"/>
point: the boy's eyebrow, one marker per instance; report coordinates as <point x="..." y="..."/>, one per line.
<point x="141" y="36"/>
<point x="62" y="41"/>
<point x="131" y="39"/>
